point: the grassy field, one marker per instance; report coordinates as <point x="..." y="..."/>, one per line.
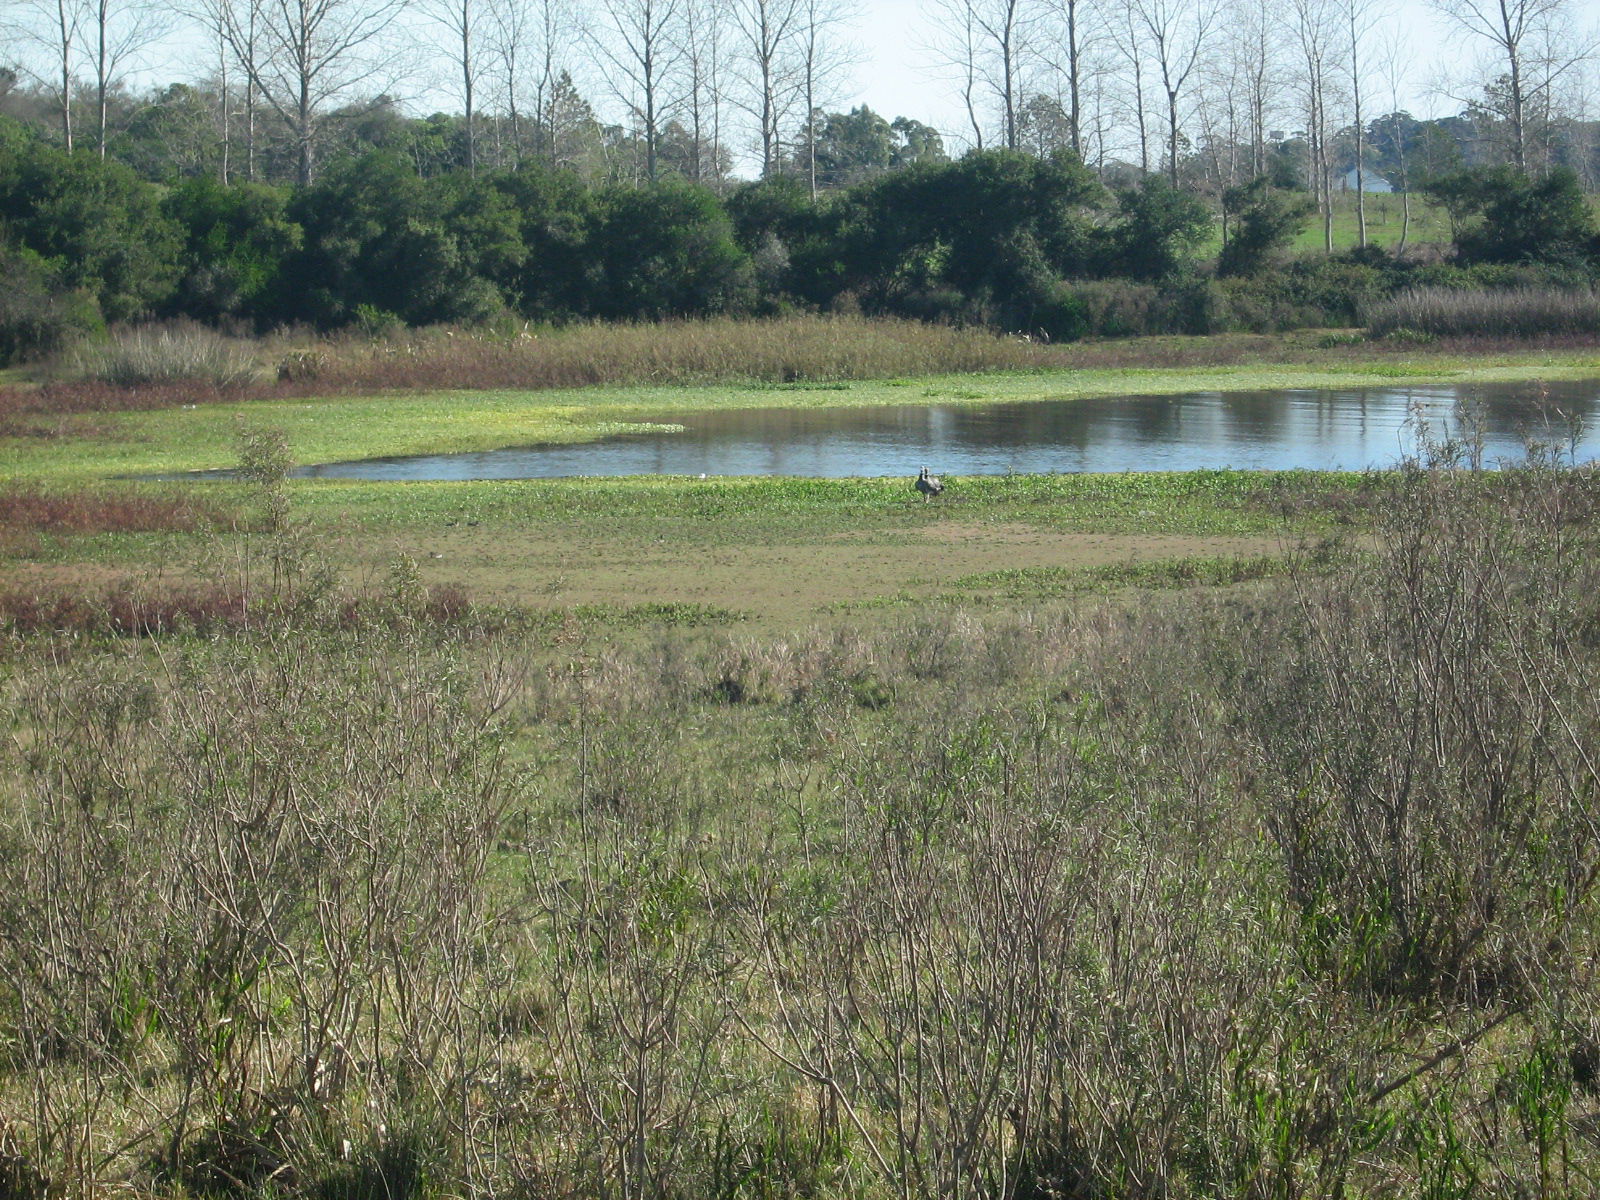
<point x="1220" y="834"/>
<point x="1430" y="226"/>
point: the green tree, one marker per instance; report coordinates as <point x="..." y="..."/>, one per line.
<point x="378" y="236"/>
<point x="851" y="146"/>
<point x="93" y="223"/>
<point x="1502" y="216"/>
<point x="1156" y="229"/>
<point x="552" y="210"/>
<point x="665" y="250"/>
<point x="999" y="230"/>
<point x="237" y="241"/>
<point x="1265" y="221"/>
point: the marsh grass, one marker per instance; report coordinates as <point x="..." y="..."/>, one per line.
<point x="803" y="350"/>
<point x="788" y="356"/>
<point x="1497" y="314"/>
<point x="183" y="352"/>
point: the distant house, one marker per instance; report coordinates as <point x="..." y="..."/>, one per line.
<point x="1371" y="182"/>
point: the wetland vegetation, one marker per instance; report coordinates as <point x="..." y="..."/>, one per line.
<point x="1255" y="874"/>
<point x="1214" y="833"/>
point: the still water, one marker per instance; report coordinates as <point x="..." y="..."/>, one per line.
<point x="1267" y="430"/>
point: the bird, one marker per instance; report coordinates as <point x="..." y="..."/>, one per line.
<point x="928" y="485"/>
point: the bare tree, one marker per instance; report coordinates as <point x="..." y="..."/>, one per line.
<point x="989" y="41"/>
<point x="529" y="40"/>
<point x="1357" y="17"/>
<point x="463" y="21"/>
<point x="54" y="28"/>
<point x="83" y="45"/>
<point x="704" y="34"/>
<point x="1178" y="31"/>
<point x="768" y="30"/>
<point x="957" y="48"/>
<point x="1130" y="39"/>
<point x="313" y="52"/>
<point x="1394" y="59"/>
<point x="1254" y="51"/>
<point x="1078" y="27"/>
<point x="1508" y="26"/>
<point x="821" y="61"/>
<point x="235" y="25"/>
<point x="119" y="33"/>
<point x="1317" y="35"/>
<point x="641" y="48"/>
<point x="1006" y="24"/>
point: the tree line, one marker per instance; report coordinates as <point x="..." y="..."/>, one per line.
<point x="1000" y="237"/>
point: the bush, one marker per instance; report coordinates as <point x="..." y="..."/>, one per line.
<point x="1423" y="722"/>
<point x="1118" y="307"/>
<point x="38" y="318"/>
<point x="177" y="353"/>
<point x="1266" y="221"/>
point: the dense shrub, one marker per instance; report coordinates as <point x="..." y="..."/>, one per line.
<point x="1504" y="216"/>
<point x="1265" y="220"/>
<point x="1157" y="226"/>
<point x="666" y="250"/>
<point x="94" y="225"/>
<point x="1287" y="890"/>
<point x="1118" y="308"/>
<point x="377" y="235"/>
<point x="39" y="317"/>
<point x="237" y="241"/>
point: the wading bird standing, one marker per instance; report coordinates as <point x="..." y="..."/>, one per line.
<point x="928" y="485"/>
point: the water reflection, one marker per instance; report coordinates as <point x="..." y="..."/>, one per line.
<point x="1266" y="430"/>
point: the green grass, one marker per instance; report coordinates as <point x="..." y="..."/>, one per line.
<point x="738" y="509"/>
<point x="1430" y="225"/>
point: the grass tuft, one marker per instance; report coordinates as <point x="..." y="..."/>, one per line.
<point x="182" y="352"/>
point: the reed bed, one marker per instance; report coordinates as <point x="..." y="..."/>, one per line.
<point x="1501" y="313"/>
<point x="786" y="350"/>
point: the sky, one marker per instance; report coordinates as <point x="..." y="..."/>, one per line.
<point x="895" y="75"/>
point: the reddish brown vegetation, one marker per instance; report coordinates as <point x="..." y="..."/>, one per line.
<point x="122" y="610"/>
<point x="20" y="406"/>
<point x="24" y="510"/>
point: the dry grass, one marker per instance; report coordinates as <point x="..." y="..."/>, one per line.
<point x="793" y="350"/>
<point x="1510" y="313"/>
<point x="796" y="349"/>
<point x="127" y="609"/>
<point x="181" y="352"/>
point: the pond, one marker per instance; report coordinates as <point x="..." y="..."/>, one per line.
<point x="1350" y="429"/>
